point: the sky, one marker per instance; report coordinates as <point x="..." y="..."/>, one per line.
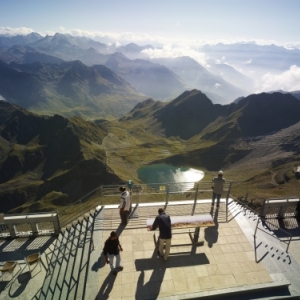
<point x="163" y="21"/>
<point x="178" y="27"/>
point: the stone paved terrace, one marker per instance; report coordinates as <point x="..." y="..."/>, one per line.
<point x="223" y="268"/>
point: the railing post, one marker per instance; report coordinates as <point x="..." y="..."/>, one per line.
<point x="227" y="197"/>
<point x="195" y="200"/>
<point x="34" y="228"/>
<point x="12" y="230"/>
<point x="56" y="224"/>
<point x="167" y="196"/>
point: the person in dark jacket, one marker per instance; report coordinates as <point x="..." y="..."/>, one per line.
<point x="163" y="222"/>
<point x="111" y="250"/>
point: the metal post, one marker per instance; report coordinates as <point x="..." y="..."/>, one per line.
<point x="254" y="236"/>
<point x="195" y="200"/>
<point x="167" y="196"/>
<point x="228" y="193"/>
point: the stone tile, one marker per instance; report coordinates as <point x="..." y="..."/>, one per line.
<point x="241" y="257"/>
<point x="236" y="268"/>
<point x="116" y="293"/>
<point x="138" y="254"/>
<point x="226" y="231"/>
<point x="167" y="275"/>
<point x="222" y="240"/>
<point x="264" y="276"/>
<point x="230" y="281"/>
<point x="247" y="247"/>
<point x="241" y="238"/>
<point x="224" y="269"/>
<point x="230" y="257"/>
<point x="253" y="277"/>
<point x="218" y="281"/>
<point x="236" y="248"/>
<point x="178" y="273"/>
<point x="241" y="279"/>
<point x="248" y="266"/>
<point x="129" y="266"/>
<point x="216" y="249"/>
<point x="126" y="256"/>
<point x="219" y="258"/>
<point x="128" y="290"/>
<point x="127" y="278"/>
<point x="212" y="270"/>
<point x="201" y="271"/>
<point x="167" y="286"/>
<point x="180" y="286"/>
<point x="226" y="248"/>
<point x="231" y="239"/>
<point x="205" y="283"/>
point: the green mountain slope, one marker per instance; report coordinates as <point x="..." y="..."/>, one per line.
<point x="67" y="89"/>
<point x="42" y="155"/>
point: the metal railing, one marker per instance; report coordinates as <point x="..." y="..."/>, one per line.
<point x="29" y="224"/>
<point x="267" y="222"/>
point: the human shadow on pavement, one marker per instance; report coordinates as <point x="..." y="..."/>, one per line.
<point x="100" y="263"/>
<point x="211" y="234"/>
<point x="22" y="280"/>
<point x="106" y="287"/>
<point x="151" y="288"/>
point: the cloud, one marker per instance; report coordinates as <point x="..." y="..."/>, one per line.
<point x="8" y="31"/>
<point x="171" y="51"/>
<point x="286" y="81"/>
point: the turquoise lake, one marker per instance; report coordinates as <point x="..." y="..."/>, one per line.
<point x="163" y="173"/>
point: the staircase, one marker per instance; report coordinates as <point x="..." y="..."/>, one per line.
<point x="68" y="261"/>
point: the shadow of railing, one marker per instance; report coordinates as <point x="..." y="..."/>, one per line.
<point x="285" y="238"/>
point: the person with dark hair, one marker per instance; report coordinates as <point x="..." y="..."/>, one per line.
<point x="125" y="205"/>
<point x="111" y="250"/>
<point x="218" y="184"/>
<point x="163" y="222"/>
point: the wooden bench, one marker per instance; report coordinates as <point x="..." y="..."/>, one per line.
<point x="185" y="222"/>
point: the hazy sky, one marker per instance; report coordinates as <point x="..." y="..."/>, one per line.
<point x="178" y="27"/>
<point x="274" y="21"/>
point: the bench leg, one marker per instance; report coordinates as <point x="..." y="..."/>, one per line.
<point x="195" y="239"/>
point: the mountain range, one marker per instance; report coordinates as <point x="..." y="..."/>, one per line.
<point x="163" y="79"/>
<point x="67" y="88"/>
<point x="77" y="113"/>
<point x="52" y="160"/>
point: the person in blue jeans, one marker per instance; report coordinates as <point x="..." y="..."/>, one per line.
<point x="112" y="248"/>
<point x="218" y="184"/>
<point x="163" y="222"/>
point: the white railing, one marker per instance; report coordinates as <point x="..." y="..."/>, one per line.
<point x="29" y="224"/>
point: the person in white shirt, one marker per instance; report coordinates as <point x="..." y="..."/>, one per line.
<point x="125" y="204"/>
<point x="218" y="184"/>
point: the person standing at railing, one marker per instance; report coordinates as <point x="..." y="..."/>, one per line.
<point x="125" y="204"/>
<point x="163" y="222"/>
<point x="112" y="248"/>
<point x="218" y="185"/>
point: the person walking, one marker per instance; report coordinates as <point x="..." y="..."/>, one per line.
<point x="125" y="205"/>
<point x="111" y="250"/>
<point x="163" y="222"/>
<point x="218" y="185"/>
